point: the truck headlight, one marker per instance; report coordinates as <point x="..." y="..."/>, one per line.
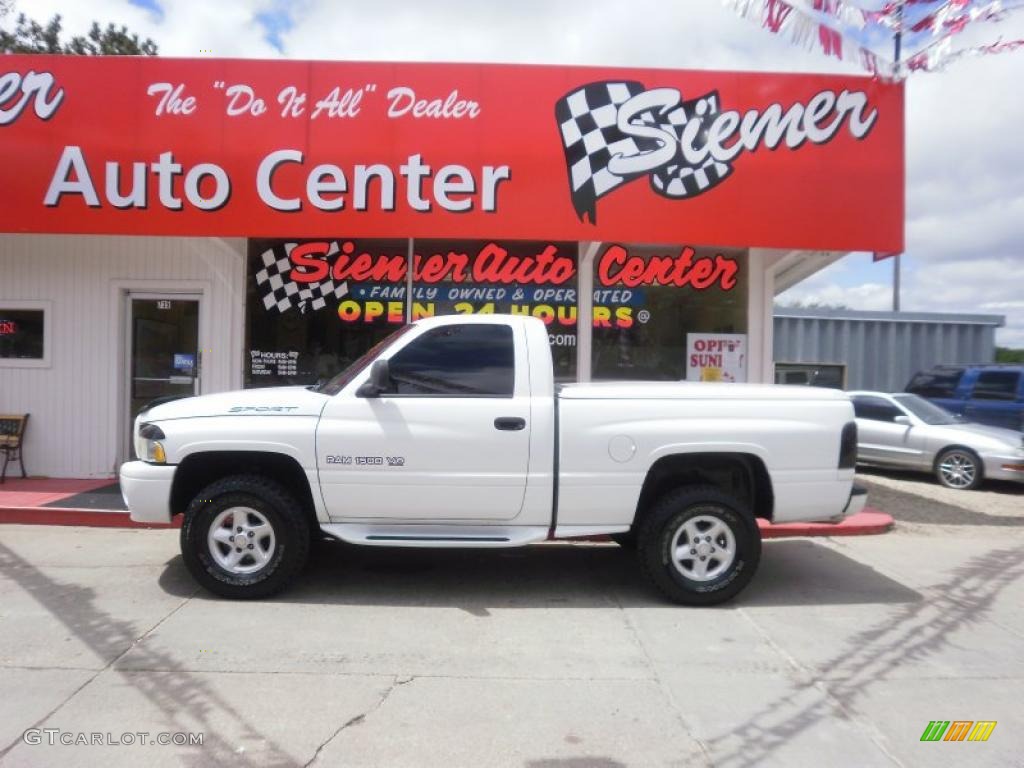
<point x="148" y="446"/>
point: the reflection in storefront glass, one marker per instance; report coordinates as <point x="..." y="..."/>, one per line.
<point x="648" y="298"/>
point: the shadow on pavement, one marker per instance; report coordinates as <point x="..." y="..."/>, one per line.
<point x="792" y="572"/>
<point x="185" y="701"/>
<point x="916" y="631"/>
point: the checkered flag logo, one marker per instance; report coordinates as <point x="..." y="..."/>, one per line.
<point x="588" y="122"/>
<point x="279" y="291"/>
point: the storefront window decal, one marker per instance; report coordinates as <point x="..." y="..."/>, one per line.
<point x="306" y="275"/>
<point x="617" y="266"/>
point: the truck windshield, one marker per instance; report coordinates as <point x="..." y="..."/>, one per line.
<point x="336" y="383"/>
<point x="927" y="412"/>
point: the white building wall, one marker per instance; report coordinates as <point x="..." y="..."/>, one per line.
<point x="76" y="403"/>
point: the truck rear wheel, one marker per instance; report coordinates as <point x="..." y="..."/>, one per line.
<point x="244" y="537"/>
<point x="699" y="546"/>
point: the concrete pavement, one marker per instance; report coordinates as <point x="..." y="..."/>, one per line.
<point x="840" y="653"/>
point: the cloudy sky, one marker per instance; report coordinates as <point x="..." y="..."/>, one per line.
<point x="965" y="142"/>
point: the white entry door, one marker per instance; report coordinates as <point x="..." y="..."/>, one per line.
<point x="163" y="357"/>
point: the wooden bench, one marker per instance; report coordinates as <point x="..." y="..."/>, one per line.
<point x="12" y="435"/>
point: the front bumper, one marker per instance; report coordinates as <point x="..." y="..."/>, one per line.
<point x="146" y="489"/>
<point x="1004" y="468"/>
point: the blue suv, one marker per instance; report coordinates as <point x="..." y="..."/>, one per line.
<point x="987" y="394"/>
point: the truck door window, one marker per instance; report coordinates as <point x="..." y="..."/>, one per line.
<point x="996" y="385"/>
<point x="472" y="360"/>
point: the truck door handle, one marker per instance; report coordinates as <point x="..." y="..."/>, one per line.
<point x="510" y="423"/>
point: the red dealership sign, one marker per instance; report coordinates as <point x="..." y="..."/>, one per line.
<point x="300" y="149"/>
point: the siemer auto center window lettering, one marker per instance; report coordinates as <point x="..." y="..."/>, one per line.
<point x="314" y="306"/>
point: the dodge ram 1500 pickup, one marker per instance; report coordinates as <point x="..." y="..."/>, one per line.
<point x="452" y="433"/>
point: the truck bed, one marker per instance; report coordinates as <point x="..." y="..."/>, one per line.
<point x="611" y="433"/>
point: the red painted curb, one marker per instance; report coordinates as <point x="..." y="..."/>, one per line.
<point x="91" y="518"/>
<point x="866" y="523"/>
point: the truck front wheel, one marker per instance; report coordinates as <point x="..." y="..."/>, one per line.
<point x="699" y="546"/>
<point x="244" y="537"/>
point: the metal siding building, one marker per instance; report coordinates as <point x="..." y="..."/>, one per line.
<point x="882" y="350"/>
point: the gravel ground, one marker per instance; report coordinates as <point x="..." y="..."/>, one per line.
<point x="914" y="497"/>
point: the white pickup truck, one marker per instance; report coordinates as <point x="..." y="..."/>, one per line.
<point x="452" y="433"/>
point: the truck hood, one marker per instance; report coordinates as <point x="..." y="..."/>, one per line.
<point x="272" y="401"/>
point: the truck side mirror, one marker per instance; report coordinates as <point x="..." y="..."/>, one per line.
<point x="379" y="381"/>
<point x="904" y="420"/>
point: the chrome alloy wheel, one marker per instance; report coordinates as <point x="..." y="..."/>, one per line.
<point x="958" y="469"/>
<point x="241" y="540"/>
<point x="703" y="548"/>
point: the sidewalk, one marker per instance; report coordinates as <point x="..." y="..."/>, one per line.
<point x="98" y="503"/>
<point x="92" y="502"/>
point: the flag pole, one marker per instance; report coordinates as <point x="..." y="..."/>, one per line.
<point x="897" y="44"/>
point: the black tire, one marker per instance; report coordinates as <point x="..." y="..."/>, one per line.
<point x="969" y="464"/>
<point x="288" y="521"/>
<point x="660" y="526"/>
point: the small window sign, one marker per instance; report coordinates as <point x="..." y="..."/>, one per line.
<point x="21" y="334"/>
<point x="184" y="362"/>
<point x="716" y="357"/>
<point x="163" y="304"/>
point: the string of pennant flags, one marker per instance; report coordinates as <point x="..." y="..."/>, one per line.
<point x="932" y="33"/>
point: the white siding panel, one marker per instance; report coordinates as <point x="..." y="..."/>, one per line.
<point x="76" y="403"/>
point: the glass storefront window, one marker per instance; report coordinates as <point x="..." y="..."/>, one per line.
<point x="649" y="298"/>
<point x="313" y="307"/>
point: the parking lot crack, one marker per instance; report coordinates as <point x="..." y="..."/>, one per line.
<point x="360" y="718"/>
<point x="660" y="682"/>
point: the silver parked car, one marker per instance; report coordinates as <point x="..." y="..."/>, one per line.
<point x="903" y="430"/>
